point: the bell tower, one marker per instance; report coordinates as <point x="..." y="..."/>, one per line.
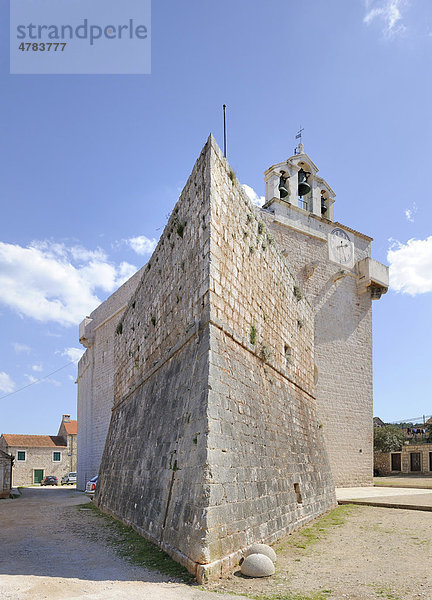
<point x="295" y="182"/>
<point x="338" y="276"/>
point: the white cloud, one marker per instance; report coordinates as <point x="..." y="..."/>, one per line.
<point x="32" y="379"/>
<point x="53" y="382"/>
<point x="7" y="385"/>
<point x="141" y="244"/>
<point x="411" y="212"/>
<point x="37" y="368"/>
<point x="73" y="354"/>
<point x="20" y="347"/>
<point x="411" y="266"/>
<point x="52" y="282"/>
<point x="388" y="13"/>
<point x="253" y="196"/>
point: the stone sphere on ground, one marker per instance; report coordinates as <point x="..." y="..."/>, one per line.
<point x="257" y="565"/>
<point x="261" y="549"/>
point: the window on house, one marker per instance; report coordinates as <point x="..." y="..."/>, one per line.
<point x="56" y="456"/>
<point x="21" y="455"/>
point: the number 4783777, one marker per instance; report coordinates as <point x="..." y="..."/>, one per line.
<point x="42" y="46"/>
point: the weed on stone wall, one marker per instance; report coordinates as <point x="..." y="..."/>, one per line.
<point x="253" y="334"/>
<point x="265" y="353"/>
<point x="298" y="294"/>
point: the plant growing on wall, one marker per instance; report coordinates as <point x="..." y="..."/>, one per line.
<point x="253" y="334"/>
<point x="298" y="294"/>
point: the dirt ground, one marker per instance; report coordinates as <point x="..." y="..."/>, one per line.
<point x="375" y="553"/>
<point x="409" y="480"/>
<point x="52" y="550"/>
<point x="49" y="549"/>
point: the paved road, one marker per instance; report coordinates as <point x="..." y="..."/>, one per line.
<point x="50" y="550"/>
<point x="392" y="497"/>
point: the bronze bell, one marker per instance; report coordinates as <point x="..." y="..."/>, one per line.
<point x="303" y="186"/>
<point x="323" y="206"/>
<point x="283" y="188"/>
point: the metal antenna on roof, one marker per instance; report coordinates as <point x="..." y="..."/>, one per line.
<point x="225" y="131"/>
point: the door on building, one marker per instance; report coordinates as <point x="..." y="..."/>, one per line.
<point x="396" y="462"/>
<point x="430" y="461"/>
<point x="415" y="461"/>
<point x="37" y="475"/>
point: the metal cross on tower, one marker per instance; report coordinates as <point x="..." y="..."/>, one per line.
<point x="299" y="137"/>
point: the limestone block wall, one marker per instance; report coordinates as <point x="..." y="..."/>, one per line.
<point x="154" y="465"/>
<point x="214" y="440"/>
<point x="382" y="460"/>
<point x="96" y="382"/>
<point x="343" y="339"/>
<point x="253" y="291"/>
<point x="424" y="450"/>
<point x="173" y="295"/>
<point x="5" y="475"/>
<point x="269" y="470"/>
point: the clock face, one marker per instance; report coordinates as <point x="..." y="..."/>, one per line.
<point x="341" y="248"/>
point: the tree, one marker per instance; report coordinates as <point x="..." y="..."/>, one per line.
<point x="429" y="432"/>
<point x="388" y="439"/>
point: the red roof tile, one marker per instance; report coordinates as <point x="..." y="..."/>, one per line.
<point x="33" y="441"/>
<point x="71" y="427"/>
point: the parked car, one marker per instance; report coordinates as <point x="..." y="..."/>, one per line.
<point x="49" y="480"/>
<point x="91" y="486"/>
<point x="69" y="479"/>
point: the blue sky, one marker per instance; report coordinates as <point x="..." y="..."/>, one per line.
<point x="91" y="165"/>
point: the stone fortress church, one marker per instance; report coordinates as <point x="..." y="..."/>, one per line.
<point x="227" y="386"/>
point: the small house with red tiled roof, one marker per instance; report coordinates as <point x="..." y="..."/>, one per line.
<point x="37" y="456"/>
<point x="68" y="431"/>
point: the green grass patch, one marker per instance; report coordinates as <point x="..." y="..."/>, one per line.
<point x="137" y="550"/>
<point x="319" y="595"/>
<point x="385" y="592"/>
<point x="418" y="483"/>
<point x="318" y="530"/>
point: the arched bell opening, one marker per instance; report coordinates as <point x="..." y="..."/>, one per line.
<point x="283" y="185"/>
<point x="324" y="203"/>
<point x="305" y="186"/>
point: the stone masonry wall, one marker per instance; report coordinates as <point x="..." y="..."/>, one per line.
<point x="269" y="470"/>
<point x="153" y="465"/>
<point x="5" y="476"/>
<point x="214" y="440"/>
<point x="96" y="382"/>
<point x="382" y="460"/>
<point x="424" y="450"/>
<point x="153" y="468"/>
<point x="343" y="340"/>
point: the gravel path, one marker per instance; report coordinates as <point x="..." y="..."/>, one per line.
<point x="51" y="550"/>
<point x="376" y="553"/>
